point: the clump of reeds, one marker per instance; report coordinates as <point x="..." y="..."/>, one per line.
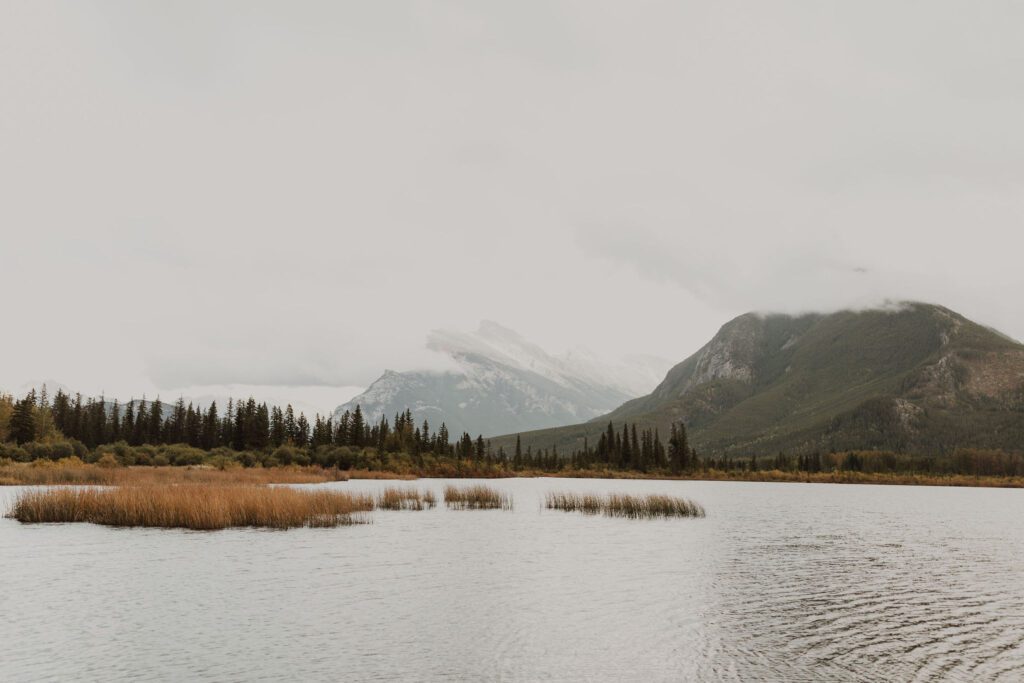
<point x="477" y="497"/>
<point x="624" y="505"/>
<point x="193" y="506"/>
<point x="405" y="499"/>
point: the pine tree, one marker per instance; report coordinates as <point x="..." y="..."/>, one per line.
<point x="141" y="431"/>
<point x="156" y="422"/>
<point x="61" y="411"/>
<point x="277" y="431"/>
<point x="22" y="427"/>
<point x="341" y="433"/>
<point x="302" y="431"/>
<point x="128" y="425"/>
<point x="261" y="428"/>
<point x="211" y="427"/>
<point x="357" y="427"/>
<point x="115" y="422"/>
<point x="679" y="449"/>
<point x="291" y="431"/>
<point x="625" y="453"/>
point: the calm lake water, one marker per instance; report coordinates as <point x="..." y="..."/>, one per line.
<point x="779" y="582"/>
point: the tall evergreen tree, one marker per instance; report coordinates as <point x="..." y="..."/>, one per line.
<point x="357" y="427"/>
<point x="211" y="427"/>
<point x="22" y="428"/>
<point x="156" y="422"/>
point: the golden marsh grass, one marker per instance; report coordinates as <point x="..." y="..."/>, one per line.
<point x="624" y="505"/>
<point x="405" y="499"/>
<point x="193" y="506"/>
<point x="476" y="497"/>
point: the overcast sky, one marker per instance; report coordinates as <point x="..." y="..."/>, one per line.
<point x="292" y="194"/>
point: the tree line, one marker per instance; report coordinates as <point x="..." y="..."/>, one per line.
<point x="251" y="433"/>
<point x="244" y="425"/>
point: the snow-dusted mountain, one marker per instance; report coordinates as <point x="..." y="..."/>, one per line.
<point x="502" y="383"/>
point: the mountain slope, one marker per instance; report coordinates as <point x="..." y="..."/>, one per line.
<point x="913" y="377"/>
<point x="501" y="382"/>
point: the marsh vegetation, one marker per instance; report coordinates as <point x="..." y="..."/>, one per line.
<point x="193" y="506"/>
<point x="476" y="497"/>
<point x="394" y="498"/>
<point x="624" y="505"/>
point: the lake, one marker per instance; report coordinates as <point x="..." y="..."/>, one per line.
<point x="780" y="582"/>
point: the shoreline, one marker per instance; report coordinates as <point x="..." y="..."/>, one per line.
<point x="78" y="473"/>
<point x="766" y="476"/>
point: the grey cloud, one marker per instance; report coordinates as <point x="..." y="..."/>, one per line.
<point x="292" y="193"/>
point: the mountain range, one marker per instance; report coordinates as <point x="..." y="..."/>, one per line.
<point x="500" y="382"/>
<point x="911" y="377"/>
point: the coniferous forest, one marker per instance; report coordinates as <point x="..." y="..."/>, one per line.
<point x="247" y="433"/>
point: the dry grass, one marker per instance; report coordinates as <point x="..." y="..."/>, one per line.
<point x="624" y="505"/>
<point x="878" y="478"/>
<point x="74" y="471"/>
<point x="477" y="497"/>
<point x="193" y="506"/>
<point x="405" y="499"/>
<point x="378" y="474"/>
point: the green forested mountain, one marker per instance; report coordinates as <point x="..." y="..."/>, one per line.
<point x="913" y="378"/>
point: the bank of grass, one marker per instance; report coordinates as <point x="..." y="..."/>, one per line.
<point x="379" y="474"/>
<point x="624" y="505"/>
<point x="406" y="499"/>
<point x="476" y="497"/>
<point x="835" y="477"/>
<point x="850" y="477"/>
<point x="108" y="473"/>
<point x="193" y="506"/>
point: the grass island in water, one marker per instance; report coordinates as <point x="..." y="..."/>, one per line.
<point x="624" y="505"/>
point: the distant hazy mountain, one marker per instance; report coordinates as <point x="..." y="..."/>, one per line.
<point x="913" y="377"/>
<point x="500" y="382"/>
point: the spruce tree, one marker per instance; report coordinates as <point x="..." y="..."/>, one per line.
<point x="128" y="425"/>
<point x="211" y="427"/>
<point x="141" y="431"/>
<point x="115" y="422"/>
<point x="302" y="431"/>
<point x="291" y="432"/>
<point x="277" y="431"/>
<point x="22" y="428"/>
<point x="357" y="427"/>
<point x="156" y="422"/>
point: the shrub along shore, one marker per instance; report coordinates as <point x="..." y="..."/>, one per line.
<point x="110" y="472"/>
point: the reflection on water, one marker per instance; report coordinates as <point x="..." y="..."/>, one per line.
<point x="780" y="582"/>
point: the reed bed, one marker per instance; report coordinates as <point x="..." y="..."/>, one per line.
<point x="74" y="471"/>
<point x="624" y="505"/>
<point x="405" y="499"/>
<point x="193" y="506"/>
<point x="477" y="497"/>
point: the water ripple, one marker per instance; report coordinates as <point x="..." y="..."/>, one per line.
<point x="779" y="582"/>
